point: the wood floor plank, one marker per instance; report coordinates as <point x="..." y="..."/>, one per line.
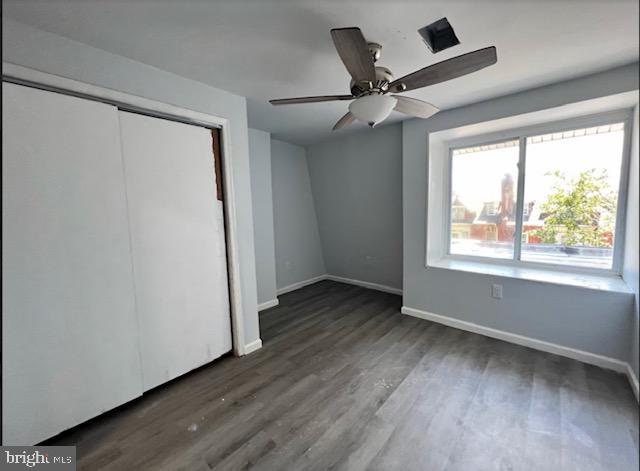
<point x="346" y="382"/>
<point x="437" y="412"/>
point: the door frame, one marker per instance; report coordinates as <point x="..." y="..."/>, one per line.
<point x="33" y="78"/>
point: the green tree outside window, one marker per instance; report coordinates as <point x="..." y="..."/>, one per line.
<point x="579" y="211"/>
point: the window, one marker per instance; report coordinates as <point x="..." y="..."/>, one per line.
<point x="458" y="213"/>
<point x="562" y="210"/>
<point x="483" y="182"/>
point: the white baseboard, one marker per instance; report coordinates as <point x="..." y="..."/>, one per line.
<point x="301" y="284"/>
<point x="268" y="304"/>
<point x="253" y="346"/>
<point x="365" y="284"/>
<point x="340" y="279"/>
<point x="580" y="355"/>
<point x="633" y="379"/>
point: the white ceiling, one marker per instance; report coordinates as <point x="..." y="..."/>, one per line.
<point x="279" y="49"/>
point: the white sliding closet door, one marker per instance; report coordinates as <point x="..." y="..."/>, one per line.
<point x="69" y="337"/>
<point x="177" y="236"/>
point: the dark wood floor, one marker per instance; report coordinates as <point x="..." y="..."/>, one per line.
<point x="345" y="382"/>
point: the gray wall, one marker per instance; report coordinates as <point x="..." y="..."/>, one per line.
<point x="30" y="47"/>
<point x="357" y="186"/>
<point x="632" y="239"/>
<point x="594" y="321"/>
<point x="262" y="199"/>
<point x="297" y="241"/>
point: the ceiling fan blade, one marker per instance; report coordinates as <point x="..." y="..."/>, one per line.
<point x="414" y="107"/>
<point x="345" y="121"/>
<point x="354" y="52"/>
<point x="446" y="70"/>
<point x="310" y="99"/>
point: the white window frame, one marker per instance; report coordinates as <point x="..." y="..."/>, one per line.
<point x="624" y="116"/>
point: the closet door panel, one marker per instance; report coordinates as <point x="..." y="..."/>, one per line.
<point x="69" y="338"/>
<point x="177" y="235"/>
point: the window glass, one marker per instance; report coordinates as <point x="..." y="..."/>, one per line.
<point x="484" y="182"/>
<point x="571" y="196"/>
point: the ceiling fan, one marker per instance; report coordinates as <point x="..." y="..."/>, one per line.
<point x="374" y="88"/>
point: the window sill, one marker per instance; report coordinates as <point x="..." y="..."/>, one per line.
<point x="611" y="283"/>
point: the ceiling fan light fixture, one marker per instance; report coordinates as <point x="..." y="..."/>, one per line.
<point x="372" y="109"/>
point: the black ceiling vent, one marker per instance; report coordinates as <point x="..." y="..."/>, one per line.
<point x="439" y="35"/>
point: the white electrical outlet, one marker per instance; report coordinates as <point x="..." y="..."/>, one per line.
<point x="496" y="291"/>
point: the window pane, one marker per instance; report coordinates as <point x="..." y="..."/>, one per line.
<point x="571" y="195"/>
<point x="484" y="182"/>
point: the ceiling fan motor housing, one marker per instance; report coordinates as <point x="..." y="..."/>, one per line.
<point x="383" y="78"/>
